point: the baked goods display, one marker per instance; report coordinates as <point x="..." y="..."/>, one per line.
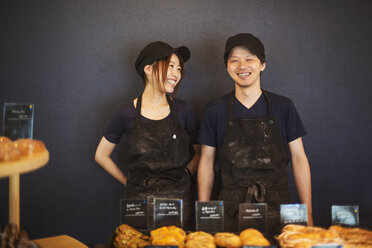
<point x="200" y="240"/>
<point x="225" y="239"/>
<point x="13" y="151"/>
<point x="128" y="237"/>
<point x="295" y="236"/>
<point x="168" y="235"/>
<point x="253" y="237"/>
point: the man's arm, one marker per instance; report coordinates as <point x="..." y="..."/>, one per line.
<point x="206" y="172"/>
<point x="302" y="175"/>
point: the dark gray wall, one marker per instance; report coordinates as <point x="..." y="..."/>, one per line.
<point x="74" y="61"/>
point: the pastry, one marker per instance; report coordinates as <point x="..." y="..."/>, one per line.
<point x="9" y="153"/>
<point x="29" y="146"/>
<point x="225" y="239"/>
<point x="168" y="235"/>
<point x="129" y="237"/>
<point x="200" y="240"/>
<point x="253" y="237"/>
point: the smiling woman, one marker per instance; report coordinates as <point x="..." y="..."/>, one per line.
<point x="162" y="133"/>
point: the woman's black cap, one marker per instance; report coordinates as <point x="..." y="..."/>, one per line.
<point x="156" y="51"/>
<point x="247" y="40"/>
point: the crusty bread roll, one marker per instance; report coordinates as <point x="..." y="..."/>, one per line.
<point x="225" y="239"/>
<point x="200" y="240"/>
<point x="253" y="237"/>
<point x="5" y="140"/>
<point x="168" y="235"/>
<point x="29" y="146"/>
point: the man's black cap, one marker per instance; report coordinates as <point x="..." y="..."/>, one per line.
<point x="156" y="51"/>
<point x="247" y="40"/>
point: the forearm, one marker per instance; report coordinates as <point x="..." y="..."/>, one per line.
<point x="108" y="164"/>
<point x="302" y="177"/>
<point x="205" y="179"/>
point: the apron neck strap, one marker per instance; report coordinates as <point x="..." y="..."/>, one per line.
<point x="231" y="107"/>
<point x="171" y="106"/>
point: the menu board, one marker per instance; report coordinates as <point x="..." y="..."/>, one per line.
<point x="209" y="216"/>
<point x="168" y="212"/>
<point x="134" y="213"/>
<point x="253" y="215"/>
<point x="18" y="120"/>
<point x="293" y="214"/>
<point x="345" y="215"/>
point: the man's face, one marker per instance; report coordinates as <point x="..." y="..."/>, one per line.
<point x="244" y="67"/>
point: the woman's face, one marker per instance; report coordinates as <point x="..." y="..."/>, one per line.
<point x="173" y="74"/>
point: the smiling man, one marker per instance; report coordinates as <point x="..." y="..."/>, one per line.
<point x="254" y="133"/>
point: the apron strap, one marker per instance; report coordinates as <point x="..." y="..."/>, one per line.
<point x="231" y="108"/>
<point x="173" y="111"/>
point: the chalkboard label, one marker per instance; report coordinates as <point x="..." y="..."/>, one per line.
<point x="133" y="213"/>
<point x="345" y="215"/>
<point x="293" y="214"/>
<point x="168" y="212"/>
<point x="253" y="215"/>
<point x="209" y="216"/>
<point x="18" y="120"/>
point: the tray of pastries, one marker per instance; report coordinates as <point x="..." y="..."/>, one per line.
<point x="296" y="236"/>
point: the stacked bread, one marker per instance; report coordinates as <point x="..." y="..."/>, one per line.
<point x="296" y="236"/>
<point x="13" y="151"/>
<point x="168" y="235"/>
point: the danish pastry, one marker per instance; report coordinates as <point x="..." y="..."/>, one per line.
<point x="225" y="239"/>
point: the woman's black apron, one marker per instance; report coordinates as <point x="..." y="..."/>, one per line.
<point x="253" y="167"/>
<point x="160" y="151"/>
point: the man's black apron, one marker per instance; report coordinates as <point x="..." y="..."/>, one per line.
<point x="160" y="151"/>
<point x="253" y="167"/>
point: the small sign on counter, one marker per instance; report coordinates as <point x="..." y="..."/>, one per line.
<point x="167" y="212"/>
<point x="253" y="215"/>
<point x="134" y="213"/>
<point x="18" y="120"/>
<point x="209" y="216"/>
<point x="293" y="214"/>
<point x="345" y="215"/>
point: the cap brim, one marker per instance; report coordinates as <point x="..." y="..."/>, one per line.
<point x="183" y="52"/>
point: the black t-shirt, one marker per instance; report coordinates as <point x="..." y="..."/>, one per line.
<point x="124" y="120"/>
<point x="215" y="117"/>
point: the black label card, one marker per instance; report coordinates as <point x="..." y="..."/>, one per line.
<point x="168" y="212"/>
<point x="345" y="215"/>
<point x="133" y="213"/>
<point x="18" y="120"/>
<point x="293" y="214"/>
<point x="253" y="215"/>
<point x="209" y="216"/>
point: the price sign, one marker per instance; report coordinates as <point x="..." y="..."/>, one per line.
<point x="253" y="215"/>
<point x="293" y="214"/>
<point x="167" y="212"/>
<point x="345" y="215"/>
<point x="133" y="213"/>
<point x="18" y="120"/>
<point x="209" y="216"/>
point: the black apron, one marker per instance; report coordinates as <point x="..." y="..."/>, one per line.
<point x="253" y="167"/>
<point x="160" y="151"/>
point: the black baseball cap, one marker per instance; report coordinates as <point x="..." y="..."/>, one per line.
<point x="158" y="50"/>
<point x="251" y="42"/>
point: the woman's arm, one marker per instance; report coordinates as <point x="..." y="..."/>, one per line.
<point x="103" y="158"/>
<point x="302" y="175"/>
<point x="193" y="165"/>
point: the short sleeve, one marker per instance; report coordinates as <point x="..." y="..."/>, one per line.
<point x="294" y="126"/>
<point x="116" y="128"/>
<point x="208" y="127"/>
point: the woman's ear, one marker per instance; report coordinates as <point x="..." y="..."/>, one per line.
<point x="148" y="70"/>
